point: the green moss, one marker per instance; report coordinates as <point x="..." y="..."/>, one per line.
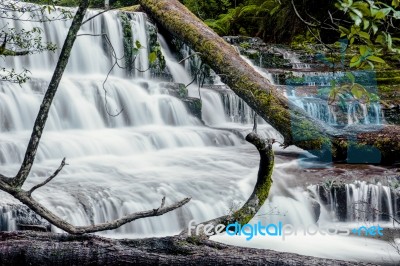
<point x="135" y="8"/>
<point x="388" y="81"/>
<point x="127" y="41"/>
<point x="388" y="74"/>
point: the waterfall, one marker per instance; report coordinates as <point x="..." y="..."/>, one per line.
<point x="359" y="201"/>
<point x="121" y="164"/>
<point x="154" y="148"/>
<point x="339" y="113"/>
<point x="293" y="58"/>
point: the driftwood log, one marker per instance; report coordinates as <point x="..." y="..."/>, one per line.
<point x="33" y="248"/>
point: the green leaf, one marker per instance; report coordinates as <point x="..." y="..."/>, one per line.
<point x="376" y="59"/>
<point x="357" y="92"/>
<point x="357" y="19"/>
<point x="355" y="61"/>
<point x="374" y="28"/>
<point x="152" y="57"/>
<point x="364" y="35"/>
<point x="363" y="50"/>
<point x="380" y="39"/>
<point x="366" y="23"/>
<point x="138" y="44"/>
<point x="371" y="64"/>
<point x="363" y="7"/>
<point x="135" y="51"/>
<point x="351" y="77"/>
<point x="382" y="13"/>
<point x="389" y="41"/>
<point x="344" y="30"/>
<point x="357" y="12"/>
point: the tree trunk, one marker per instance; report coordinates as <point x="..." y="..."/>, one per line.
<point x="378" y="145"/>
<point x="34" y="248"/>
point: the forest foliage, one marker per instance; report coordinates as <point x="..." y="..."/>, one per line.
<point x="370" y="27"/>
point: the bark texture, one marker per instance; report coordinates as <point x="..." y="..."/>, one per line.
<point x="296" y="126"/>
<point x="35" y="248"/>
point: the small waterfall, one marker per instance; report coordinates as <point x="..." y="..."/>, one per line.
<point x="260" y="71"/>
<point x="139" y="33"/>
<point x="293" y="58"/>
<point x="359" y="201"/>
<point x="341" y="113"/>
<point x="177" y="70"/>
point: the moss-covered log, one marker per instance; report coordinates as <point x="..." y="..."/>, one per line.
<point x="297" y="127"/>
<point x="34" y="248"/>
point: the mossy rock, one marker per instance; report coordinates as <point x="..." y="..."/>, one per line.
<point x="177" y="90"/>
<point x="194" y="106"/>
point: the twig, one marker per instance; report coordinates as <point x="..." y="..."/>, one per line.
<point x="98" y="14"/>
<point x="48" y="179"/>
<point x="298" y="15"/>
<point x="187" y="57"/>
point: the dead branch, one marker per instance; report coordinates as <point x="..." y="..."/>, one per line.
<point x="25" y="197"/>
<point x="187" y="57"/>
<point x="298" y="15"/>
<point x="48" y="179"/>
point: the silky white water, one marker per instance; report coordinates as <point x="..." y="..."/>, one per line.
<point x="154" y="148"/>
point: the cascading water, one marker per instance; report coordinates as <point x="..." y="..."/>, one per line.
<point x="293" y="58"/>
<point x="154" y="148"/>
<point x="358" y="202"/>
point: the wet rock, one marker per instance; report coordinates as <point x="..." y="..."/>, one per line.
<point x="177" y="90"/>
<point x="20" y="217"/>
<point x="392" y="114"/>
<point x="180" y="91"/>
<point x="194" y="106"/>
<point x="316" y="209"/>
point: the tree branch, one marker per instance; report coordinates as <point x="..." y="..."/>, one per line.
<point x="298" y="15"/>
<point x="261" y="188"/>
<point x="187" y="57"/>
<point x="98" y="14"/>
<point x="41" y="118"/>
<point x="48" y="179"/>
<point x="26" y="198"/>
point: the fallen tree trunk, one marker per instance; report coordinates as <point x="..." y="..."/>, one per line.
<point x="34" y="248"/>
<point x="296" y="126"/>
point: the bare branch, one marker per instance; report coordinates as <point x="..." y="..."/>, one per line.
<point x="298" y="15"/>
<point x="186" y="58"/>
<point x="162" y="203"/>
<point x="98" y="14"/>
<point x="129" y="218"/>
<point x="25" y="198"/>
<point x="48" y="179"/>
